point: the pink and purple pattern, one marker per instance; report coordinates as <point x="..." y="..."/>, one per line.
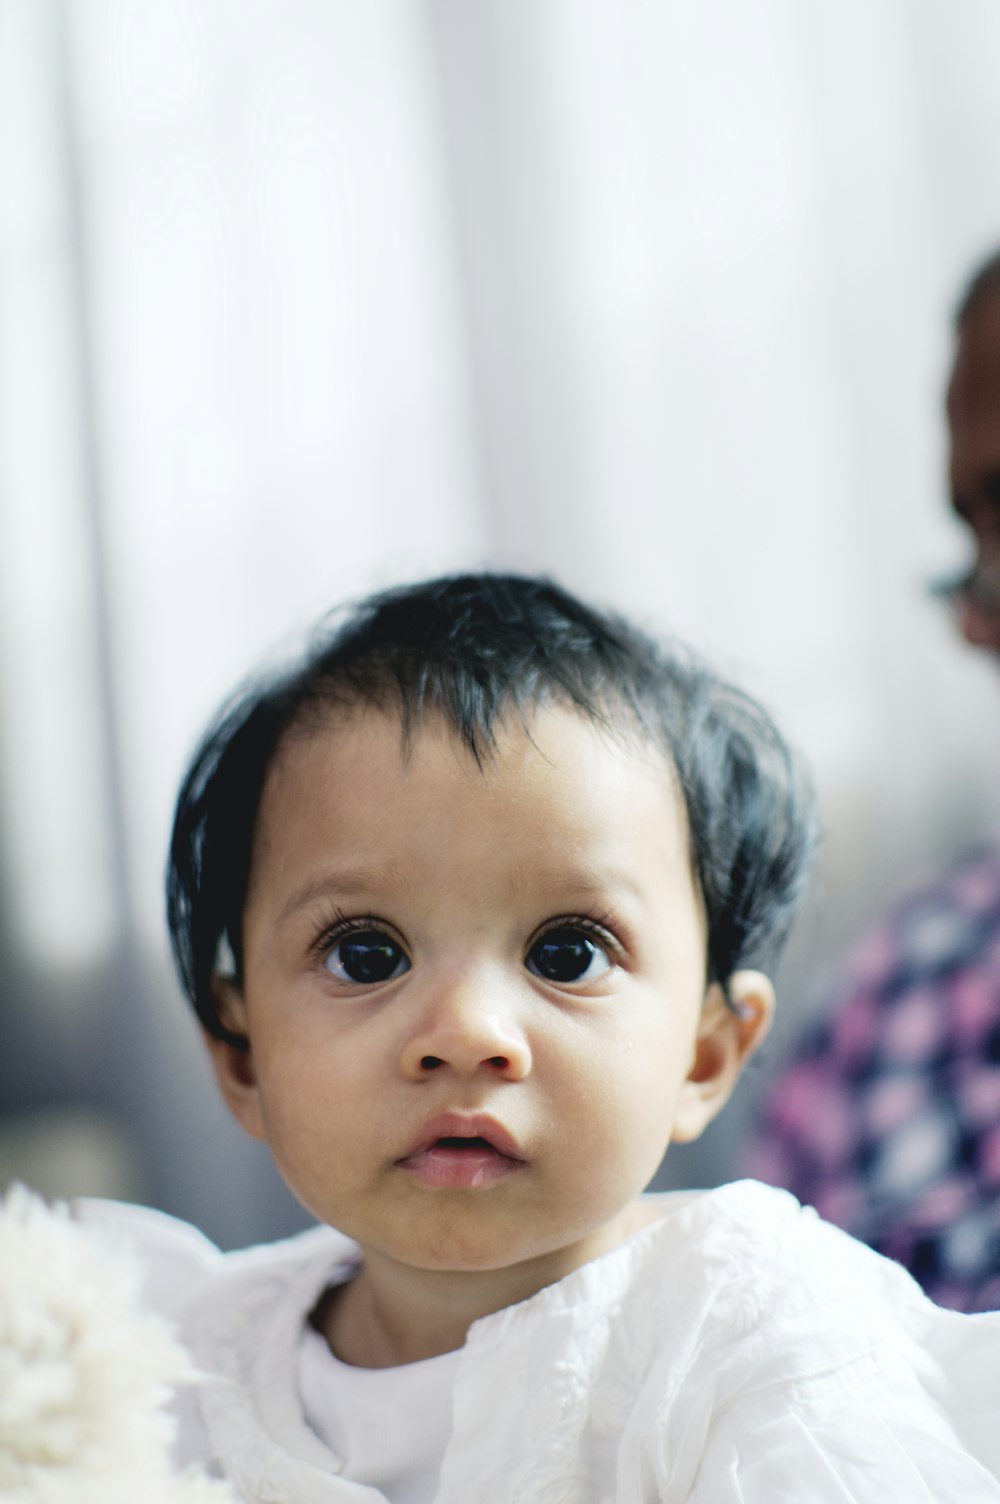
<point x="887" y="1118"/>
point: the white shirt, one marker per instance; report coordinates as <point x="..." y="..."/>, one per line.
<point x="388" y="1426"/>
<point x="737" y="1351"/>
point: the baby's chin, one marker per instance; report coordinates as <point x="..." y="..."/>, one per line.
<point x="532" y="1262"/>
<point x="504" y="1253"/>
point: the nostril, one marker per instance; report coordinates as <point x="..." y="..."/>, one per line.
<point x="433" y="1062"/>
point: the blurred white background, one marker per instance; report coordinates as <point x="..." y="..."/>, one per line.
<point x="303" y="297"/>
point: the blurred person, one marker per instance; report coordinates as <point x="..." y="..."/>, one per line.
<point x="886" y="1118"/>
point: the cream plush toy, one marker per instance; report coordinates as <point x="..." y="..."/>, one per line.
<point x="85" y="1372"/>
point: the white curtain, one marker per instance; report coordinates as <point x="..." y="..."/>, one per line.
<point x="303" y="297"/>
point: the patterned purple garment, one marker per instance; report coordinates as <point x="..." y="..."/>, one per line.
<point x="887" y="1117"/>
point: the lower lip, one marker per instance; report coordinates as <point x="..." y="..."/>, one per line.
<point x="465" y="1169"/>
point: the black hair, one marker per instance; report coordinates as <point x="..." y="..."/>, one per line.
<point x="979" y="286"/>
<point x="478" y="648"/>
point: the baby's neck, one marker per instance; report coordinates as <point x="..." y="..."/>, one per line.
<point x="391" y="1314"/>
<point x="372" y="1323"/>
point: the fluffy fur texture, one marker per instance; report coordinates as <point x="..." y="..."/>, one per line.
<point x="85" y="1372"/>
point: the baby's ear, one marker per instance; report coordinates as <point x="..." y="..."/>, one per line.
<point x="233" y="1063"/>
<point x="729" y="1031"/>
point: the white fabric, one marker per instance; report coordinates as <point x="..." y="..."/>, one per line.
<point x="738" y="1351"/>
<point x="388" y="1426"/>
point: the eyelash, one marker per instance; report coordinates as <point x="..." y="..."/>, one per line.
<point x="596" y="929"/>
<point x="340" y="925"/>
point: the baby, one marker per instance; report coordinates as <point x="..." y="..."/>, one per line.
<point x="468" y="904"/>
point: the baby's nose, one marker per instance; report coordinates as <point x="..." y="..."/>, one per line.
<point x="465" y="1029"/>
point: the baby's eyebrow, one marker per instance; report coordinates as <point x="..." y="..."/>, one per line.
<point x="353" y="882"/>
<point x="585" y="883"/>
<point x="569" y="886"/>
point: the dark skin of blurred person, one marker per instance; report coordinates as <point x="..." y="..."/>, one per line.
<point x="886" y="1116"/>
<point x="974" y="425"/>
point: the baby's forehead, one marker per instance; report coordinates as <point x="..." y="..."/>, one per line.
<point x="368" y="787"/>
<point x="372" y="769"/>
<point x="517" y="732"/>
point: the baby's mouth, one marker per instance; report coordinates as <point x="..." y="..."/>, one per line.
<point x="461" y="1161"/>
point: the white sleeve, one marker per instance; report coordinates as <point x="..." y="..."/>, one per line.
<point x="832" y="1379"/>
<point x="839" y="1448"/>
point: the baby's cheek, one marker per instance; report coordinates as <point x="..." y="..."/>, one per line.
<point x="606" y="1136"/>
<point x="631" y="1126"/>
<point x="297" y="1098"/>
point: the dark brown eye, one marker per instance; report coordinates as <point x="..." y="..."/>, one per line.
<point x="566" y="954"/>
<point x="367" y="957"/>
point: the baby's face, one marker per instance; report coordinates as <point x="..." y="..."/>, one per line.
<point x="475" y="999"/>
